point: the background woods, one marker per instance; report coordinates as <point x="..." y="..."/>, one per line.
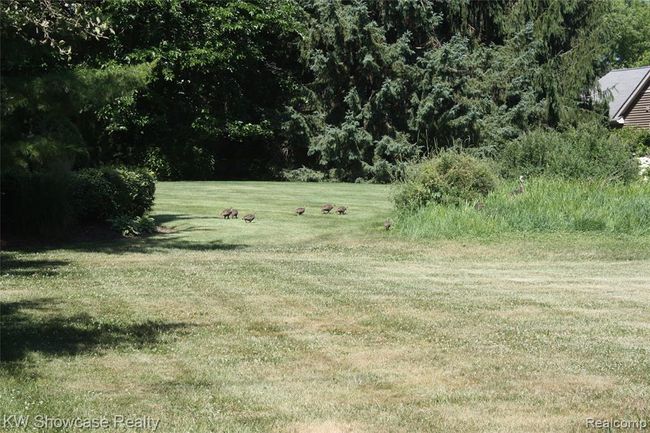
<point x="244" y="89"/>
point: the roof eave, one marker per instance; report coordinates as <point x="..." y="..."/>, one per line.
<point x="617" y="122"/>
<point x="618" y="116"/>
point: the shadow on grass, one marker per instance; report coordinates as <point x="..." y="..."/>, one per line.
<point x="12" y="265"/>
<point x="103" y="240"/>
<point x="168" y="218"/>
<point x="150" y="244"/>
<point x="22" y="332"/>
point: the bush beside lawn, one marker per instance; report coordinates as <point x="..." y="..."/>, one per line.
<point x="53" y="204"/>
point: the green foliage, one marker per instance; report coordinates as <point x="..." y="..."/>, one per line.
<point x="216" y="101"/>
<point x="50" y="204"/>
<point x="549" y="205"/>
<point x="450" y="178"/>
<point x="636" y="139"/>
<point x="137" y="187"/>
<point x="158" y="164"/>
<point x="303" y="174"/>
<point x="94" y="195"/>
<point x="358" y="89"/>
<point x="587" y="152"/>
<point x="361" y="85"/>
<point x="107" y="192"/>
<point x="394" y="80"/>
<point x="51" y="24"/>
<point x="631" y="22"/>
<point x="55" y="89"/>
<point x="48" y="118"/>
<point x="130" y="226"/>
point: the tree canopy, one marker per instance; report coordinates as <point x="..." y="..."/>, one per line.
<point x="204" y="89"/>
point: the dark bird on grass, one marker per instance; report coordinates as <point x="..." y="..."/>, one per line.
<point x="388" y="224"/>
<point x="300" y="210"/>
<point x="234" y="213"/>
<point x="249" y="218"/>
<point x="226" y="213"/>
<point x="520" y="189"/>
<point x="341" y="210"/>
<point x="326" y="208"/>
<point x="479" y="205"/>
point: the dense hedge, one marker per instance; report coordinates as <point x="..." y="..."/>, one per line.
<point x="51" y="204"/>
<point x="104" y="193"/>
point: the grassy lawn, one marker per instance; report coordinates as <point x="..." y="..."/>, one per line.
<point x="326" y="323"/>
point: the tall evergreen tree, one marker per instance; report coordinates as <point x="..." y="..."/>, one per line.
<point x="50" y="95"/>
<point x="393" y="80"/>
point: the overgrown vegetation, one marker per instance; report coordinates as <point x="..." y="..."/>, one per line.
<point x="303" y="174"/>
<point x="587" y="151"/>
<point x="578" y="179"/>
<point x="637" y="139"/>
<point x="549" y="205"/>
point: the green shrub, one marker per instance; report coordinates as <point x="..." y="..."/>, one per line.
<point x="93" y="196"/>
<point x="137" y="189"/>
<point x="50" y="204"/>
<point x="130" y="226"/>
<point x="103" y="193"/>
<point x="586" y="152"/>
<point x="303" y="174"/>
<point x="449" y="178"/>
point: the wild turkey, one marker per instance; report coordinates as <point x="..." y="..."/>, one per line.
<point x="326" y="208"/>
<point x="234" y="213"/>
<point x="479" y="205"/>
<point x="341" y="210"/>
<point x="300" y="210"/>
<point x="388" y="224"/>
<point x="249" y="218"/>
<point x="520" y="189"/>
<point x="226" y="213"/>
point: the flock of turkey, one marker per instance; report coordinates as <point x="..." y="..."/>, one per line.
<point x="232" y="213"/>
<point x="325" y="209"/>
<point x="342" y="210"/>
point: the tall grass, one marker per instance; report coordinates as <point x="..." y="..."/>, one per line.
<point x="547" y="205"/>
